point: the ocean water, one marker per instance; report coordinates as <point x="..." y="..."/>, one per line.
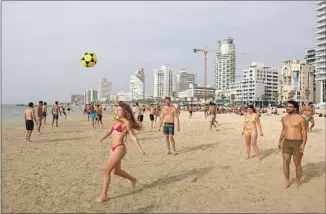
<point x="12" y="113"/>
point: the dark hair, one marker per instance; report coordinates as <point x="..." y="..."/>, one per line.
<point x="252" y="107"/>
<point x="45" y="103"/>
<point x="30" y="104"/>
<point x="168" y="98"/>
<point x="40" y="102"/>
<point x="310" y="103"/>
<point x="294" y="103"/>
<point x="136" y="103"/>
<point x="129" y="116"/>
<point x="56" y="102"/>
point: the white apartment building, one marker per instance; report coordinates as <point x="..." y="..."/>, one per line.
<point x="184" y="79"/>
<point x="320" y="47"/>
<point x="260" y="84"/>
<point x="225" y="63"/>
<point x="195" y="91"/>
<point x="104" y="90"/>
<point x="90" y="95"/>
<point x="123" y="96"/>
<point x="137" y="85"/>
<point x="163" y="82"/>
<point x="310" y="56"/>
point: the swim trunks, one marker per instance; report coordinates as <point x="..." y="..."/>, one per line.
<point x="168" y="129"/>
<point x="29" y="125"/>
<point x="292" y="147"/>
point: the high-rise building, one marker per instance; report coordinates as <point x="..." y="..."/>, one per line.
<point x="137" y="85"/>
<point x="184" y="79"/>
<point x="320" y="47"/>
<point x="90" y="95"/>
<point x="310" y="56"/>
<point x="104" y="90"/>
<point x="163" y="80"/>
<point x="225" y="64"/>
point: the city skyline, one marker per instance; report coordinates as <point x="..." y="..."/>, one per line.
<point x="63" y="37"/>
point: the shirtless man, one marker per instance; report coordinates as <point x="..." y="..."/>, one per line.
<point x="45" y="111"/>
<point x="99" y="113"/>
<point x="40" y="116"/>
<point x="292" y="141"/>
<point x="212" y="115"/>
<point x="88" y="110"/>
<point x="190" y="109"/>
<point x="63" y="110"/>
<point x="308" y="113"/>
<point x="55" y="113"/>
<point x="169" y="115"/>
<point x="136" y="111"/>
<point x="29" y="115"/>
<point x="206" y="107"/>
<point x="151" y="114"/>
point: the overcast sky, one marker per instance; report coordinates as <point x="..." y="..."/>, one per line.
<point x="42" y="41"/>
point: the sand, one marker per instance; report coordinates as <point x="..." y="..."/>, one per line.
<point x="60" y="171"/>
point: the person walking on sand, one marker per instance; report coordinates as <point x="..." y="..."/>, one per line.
<point x="292" y="141"/>
<point x="250" y="133"/>
<point x="190" y="110"/>
<point x="45" y="111"/>
<point x="99" y="113"/>
<point x="124" y="124"/>
<point x="211" y="115"/>
<point x="168" y="117"/>
<point x="39" y="116"/>
<point x="29" y="115"/>
<point x="136" y="111"/>
<point x="308" y="113"/>
<point x="151" y="114"/>
<point x="55" y="113"/>
<point x="93" y="114"/>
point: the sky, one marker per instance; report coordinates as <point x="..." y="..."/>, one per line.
<point x="42" y="42"/>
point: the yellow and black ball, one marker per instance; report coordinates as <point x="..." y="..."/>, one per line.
<point x="89" y="59"/>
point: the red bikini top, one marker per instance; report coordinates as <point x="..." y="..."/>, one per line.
<point x="117" y="128"/>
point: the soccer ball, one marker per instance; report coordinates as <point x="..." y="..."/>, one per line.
<point x="89" y="59"/>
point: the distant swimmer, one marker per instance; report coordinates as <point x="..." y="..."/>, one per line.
<point x="168" y="117"/>
<point x="45" y="111"/>
<point x="40" y="116"/>
<point x="151" y="114"/>
<point x="29" y="115"/>
<point x="308" y="113"/>
<point x="55" y="113"/>
<point x="124" y="124"/>
<point x="252" y="121"/>
<point x="292" y="141"/>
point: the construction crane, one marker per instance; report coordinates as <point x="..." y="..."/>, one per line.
<point x="205" y="52"/>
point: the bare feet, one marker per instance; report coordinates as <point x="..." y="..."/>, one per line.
<point x="247" y="158"/>
<point x="175" y="153"/>
<point x="101" y="199"/>
<point x="297" y="183"/>
<point x="258" y="159"/>
<point x="168" y="153"/>
<point x="287" y="184"/>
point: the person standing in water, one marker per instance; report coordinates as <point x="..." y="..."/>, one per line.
<point x="250" y="132"/>
<point x="29" y="115"/>
<point x="168" y="117"/>
<point x="124" y="124"/>
<point x="292" y="141"/>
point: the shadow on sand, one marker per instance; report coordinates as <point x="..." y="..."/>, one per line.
<point x="312" y="170"/>
<point x="199" y="147"/>
<point x="268" y="152"/>
<point x="166" y="180"/>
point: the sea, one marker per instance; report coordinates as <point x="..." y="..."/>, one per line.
<point x="12" y="113"/>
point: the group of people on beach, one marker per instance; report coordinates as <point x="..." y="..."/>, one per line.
<point x="292" y="140"/>
<point x="40" y="116"/>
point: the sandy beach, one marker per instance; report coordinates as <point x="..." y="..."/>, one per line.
<point x="60" y="171"/>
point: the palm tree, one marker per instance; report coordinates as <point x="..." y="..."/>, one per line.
<point x="291" y="94"/>
<point x="306" y="94"/>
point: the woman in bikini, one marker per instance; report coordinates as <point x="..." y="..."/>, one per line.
<point x="250" y="130"/>
<point x="124" y="124"/>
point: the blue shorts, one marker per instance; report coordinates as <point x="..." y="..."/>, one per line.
<point x="168" y="129"/>
<point x="93" y="115"/>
